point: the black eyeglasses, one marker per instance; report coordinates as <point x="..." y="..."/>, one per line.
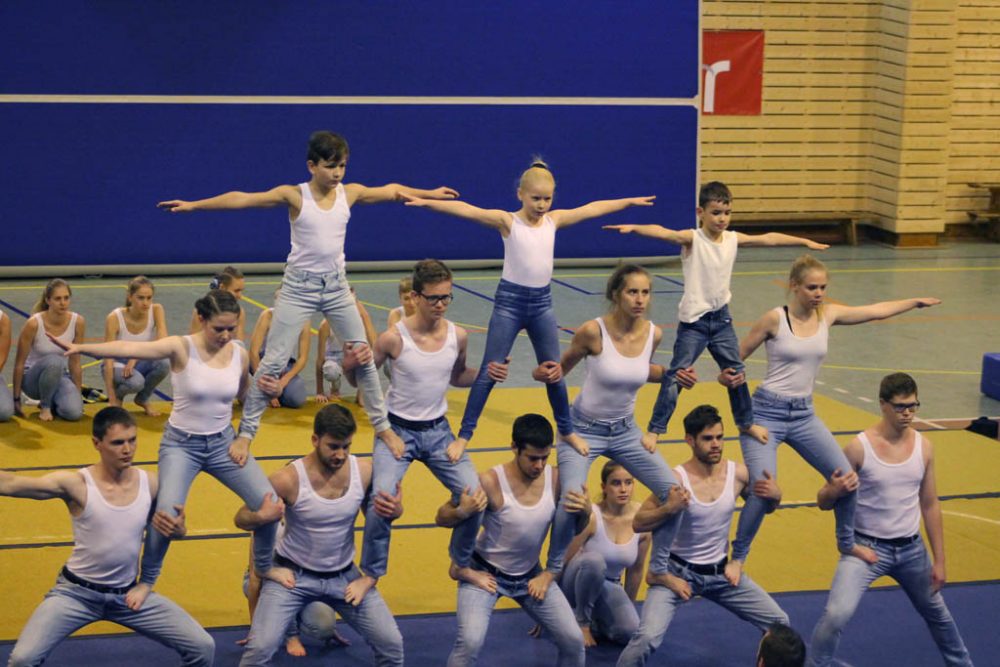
<point x="438" y="298"/>
<point x="903" y="407"/>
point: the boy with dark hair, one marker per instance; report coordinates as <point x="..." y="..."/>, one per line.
<point x="781" y="646"/>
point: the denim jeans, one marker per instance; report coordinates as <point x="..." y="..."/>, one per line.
<point x="182" y="457"/>
<point x="146" y="376"/>
<point x="598" y="601"/>
<point x="618" y="440"/>
<point x="47" y="381"/>
<point x="747" y="600"/>
<point x="790" y="420"/>
<point x="553" y="613"/>
<point x="278" y="607"/>
<point x="715" y="331"/>
<point x="302" y="294"/>
<point x="68" y="607"/>
<point x="6" y="401"/>
<point x="517" y="307"/>
<point x="429" y="448"/>
<point x="911" y="567"/>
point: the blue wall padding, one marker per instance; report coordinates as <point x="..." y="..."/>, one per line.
<point x="83" y="191"/>
<point x="989" y="383"/>
<point x="640" y="48"/>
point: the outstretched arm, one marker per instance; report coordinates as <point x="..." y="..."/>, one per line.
<point x="494" y="217"/>
<point x="61" y="484"/>
<point x="362" y="194"/>
<point x="772" y="239"/>
<point x="288" y="195"/>
<point x="877" y="311"/>
<point x="170" y="347"/>
<point x="566" y="217"/>
<point x="680" y="237"/>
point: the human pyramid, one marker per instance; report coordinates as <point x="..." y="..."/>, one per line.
<point x="879" y="487"/>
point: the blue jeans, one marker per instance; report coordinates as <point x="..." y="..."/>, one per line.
<point x="278" y="607"/>
<point x="6" y="401"/>
<point x="715" y="331"/>
<point x="146" y="376"/>
<point x="911" y="567"/>
<point x="553" y="613"/>
<point x="68" y="607"/>
<point x="598" y="601"/>
<point x="790" y="420"/>
<point x="182" y="457"/>
<point x="429" y="448"/>
<point x="747" y="600"/>
<point x="618" y="440"/>
<point x="47" y="381"/>
<point x="517" y="307"/>
<point x="302" y="294"/>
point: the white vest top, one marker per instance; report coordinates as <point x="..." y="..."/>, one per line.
<point x="107" y="538"/>
<point x="319" y="532"/>
<point x="528" y="252"/>
<point x="147" y="334"/>
<point x="703" y="536"/>
<point x="42" y="346"/>
<point x="793" y="362"/>
<point x="616" y="556"/>
<point x="203" y="396"/>
<point x="889" y="493"/>
<point x="612" y="379"/>
<point x="318" y="235"/>
<point x="511" y="539"/>
<point x="708" y="269"/>
<point x="419" y="387"/>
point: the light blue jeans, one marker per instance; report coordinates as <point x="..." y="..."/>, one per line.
<point x="553" y="613"/>
<point x="429" y="448"/>
<point x="47" y="381"/>
<point x="790" y="420"/>
<point x="715" y="331"/>
<point x="302" y="294"/>
<point x="68" y="607"/>
<point x="146" y="376"/>
<point x="911" y="567"/>
<point x="6" y="401"/>
<point x="619" y="440"/>
<point x="278" y="607"/>
<point x="515" y="308"/>
<point x="747" y="600"/>
<point x="182" y="457"/>
<point x="599" y="602"/>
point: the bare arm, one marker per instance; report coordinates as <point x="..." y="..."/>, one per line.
<point x="171" y="347"/>
<point x="764" y="328"/>
<point x="245" y="377"/>
<point x="75" y="368"/>
<point x="24" y="344"/>
<point x="494" y="218"/>
<point x="842" y="481"/>
<point x="772" y="239"/>
<point x="581" y="538"/>
<point x="681" y="237"/>
<point x="930" y="510"/>
<point x="450" y="515"/>
<point x="301" y="358"/>
<point x="159" y="321"/>
<point x="586" y="341"/>
<point x="838" y="314"/>
<point x="566" y="217"/>
<point x="62" y="484"/>
<point x="371" y="334"/>
<point x="285" y="482"/>
<point x="362" y="194"/>
<point x="4" y="341"/>
<point x="652" y="512"/>
<point x="287" y="195"/>
<point x="108" y="366"/>
<point x="635" y="571"/>
<point x="324" y="333"/>
<point x="258" y="337"/>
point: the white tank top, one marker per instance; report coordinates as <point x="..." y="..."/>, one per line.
<point x="419" y="386"/>
<point x="203" y="396"/>
<point x="147" y="334"/>
<point x="107" y="538"/>
<point x="528" y="252"/>
<point x="612" y="379"/>
<point x="793" y="362"/>
<point x="318" y="235"/>
<point x="703" y="536"/>
<point x="708" y="268"/>
<point x="511" y="539"/>
<point x="319" y="532"/>
<point x="42" y="346"/>
<point x="889" y="493"/>
<point x="616" y="556"/>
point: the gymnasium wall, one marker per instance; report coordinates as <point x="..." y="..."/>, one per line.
<point x="117" y="106"/>
<point x="887" y="108"/>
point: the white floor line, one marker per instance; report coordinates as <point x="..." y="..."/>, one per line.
<point x="930" y="423"/>
<point x="842" y="391"/>
<point x="866" y="400"/>
<point x="971" y="516"/>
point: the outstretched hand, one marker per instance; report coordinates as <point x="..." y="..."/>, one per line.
<point x="621" y="229"/>
<point x="68" y="348"/>
<point x="927" y="302"/>
<point x="443" y="193"/>
<point x="641" y="201"/>
<point x="176" y="206"/>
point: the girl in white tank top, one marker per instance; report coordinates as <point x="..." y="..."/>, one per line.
<point x="796" y="338"/>
<point x="6" y="399"/>
<point x="523" y="300"/>
<point x="40" y="368"/>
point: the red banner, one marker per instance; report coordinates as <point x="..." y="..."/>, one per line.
<point x="732" y="72"/>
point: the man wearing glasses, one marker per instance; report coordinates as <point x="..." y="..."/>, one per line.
<point x="428" y="354"/>
<point x="893" y="473"/>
